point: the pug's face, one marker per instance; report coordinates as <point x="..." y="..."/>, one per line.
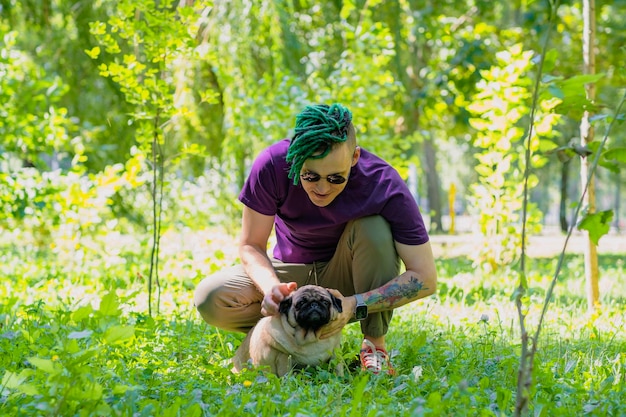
<point x="310" y="307"/>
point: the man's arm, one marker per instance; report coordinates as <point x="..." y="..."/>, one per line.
<point x="418" y="281"/>
<point x="255" y="233"/>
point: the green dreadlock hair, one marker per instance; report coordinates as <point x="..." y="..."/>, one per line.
<point x="318" y="128"/>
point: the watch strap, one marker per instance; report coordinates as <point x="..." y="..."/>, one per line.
<point x="359" y="299"/>
<point x="360" y="310"/>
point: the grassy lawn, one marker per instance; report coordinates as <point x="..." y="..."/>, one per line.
<point x="76" y="340"/>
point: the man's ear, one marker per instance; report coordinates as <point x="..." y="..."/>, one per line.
<point x="284" y="306"/>
<point x="336" y="302"/>
<point x="356" y="155"/>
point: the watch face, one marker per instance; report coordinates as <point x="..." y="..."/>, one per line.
<point x="361" y="312"/>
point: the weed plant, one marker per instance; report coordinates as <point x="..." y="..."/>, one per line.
<point x="76" y="340"/>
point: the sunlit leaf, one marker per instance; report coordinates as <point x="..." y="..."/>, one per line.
<point x="12" y="380"/>
<point x="83" y="356"/>
<point x="82" y="313"/>
<point x="556" y="91"/>
<point x="90" y="391"/>
<point x="93" y="53"/>
<point x="109" y="305"/>
<point x="28" y="389"/>
<point x="578" y="82"/>
<point x="46" y="365"/>
<point x="616" y="154"/>
<point x="348" y="7"/>
<point x="116" y="334"/>
<point x="121" y="389"/>
<point x="610" y="165"/>
<point x="597" y="224"/>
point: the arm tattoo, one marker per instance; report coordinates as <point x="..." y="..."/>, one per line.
<point x="393" y="293"/>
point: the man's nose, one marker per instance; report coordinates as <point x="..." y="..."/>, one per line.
<point x="322" y="186"/>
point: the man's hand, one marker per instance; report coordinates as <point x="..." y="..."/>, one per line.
<point x="348" y="304"/>
<point x="269" y="305"/>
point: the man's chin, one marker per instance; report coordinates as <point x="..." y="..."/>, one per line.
<point x="321" y="201"/>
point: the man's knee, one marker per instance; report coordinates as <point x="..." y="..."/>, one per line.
<point x="228" y="300"/>
<point x="374" y="252"/>
<point x="375" y="232"/>
<point x="206" y="299"/>
<point x="372" y="227"/>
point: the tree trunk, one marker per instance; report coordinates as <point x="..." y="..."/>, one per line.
<point x="563" y="202"/>
<point x="433" y="184"/>
<point x="587" y="136"/>
<point x="618" y="197"/>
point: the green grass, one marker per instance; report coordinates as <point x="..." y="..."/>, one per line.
<point x="76" y="340"/>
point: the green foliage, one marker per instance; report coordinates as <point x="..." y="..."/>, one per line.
<point x="88" y="90"/>
<point x="32" y="123"/>
<point x="500" y="108"/>
<point x="57" y="210"/>
<point x="43" y="206"/>
<point x="147" y="44"/>
<point x="570" y="96"/>
<point x="597" y="224"/>
<point x="81" y="344"/>
<point x="52" y="36"/>
<point x="217" y="82"/>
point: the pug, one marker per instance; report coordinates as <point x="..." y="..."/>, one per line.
<point x="292" y="337"/>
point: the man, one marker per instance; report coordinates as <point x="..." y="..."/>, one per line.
<point x="343" y="219"/>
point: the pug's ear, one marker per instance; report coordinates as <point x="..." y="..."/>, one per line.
<point x="336" y="302"/>
<point x="285" y="306"/>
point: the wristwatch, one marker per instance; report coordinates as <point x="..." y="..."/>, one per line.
<point x="360" y="312"/>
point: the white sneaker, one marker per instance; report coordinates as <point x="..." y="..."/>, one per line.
<point x="375" y="359"/>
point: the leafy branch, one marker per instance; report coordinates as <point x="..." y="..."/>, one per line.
<point x="529" y="344"/>
<point x="147" y="43"/>
<point x="157" y="210"/>
<point x="528" y="354"/>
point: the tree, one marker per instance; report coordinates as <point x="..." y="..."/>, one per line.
<point x="587" y="136"/>
<point x="499" y="108"/>
<point x="148" y="44"/>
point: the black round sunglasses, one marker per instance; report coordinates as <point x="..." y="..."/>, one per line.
<point x="313" y="177"/>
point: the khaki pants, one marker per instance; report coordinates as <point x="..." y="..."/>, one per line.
<point x="365" y="259"/>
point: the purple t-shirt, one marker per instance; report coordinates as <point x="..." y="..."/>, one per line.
<point x="305" y="232"/>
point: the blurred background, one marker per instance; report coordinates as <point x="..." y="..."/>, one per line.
<point x="123" y="121"/>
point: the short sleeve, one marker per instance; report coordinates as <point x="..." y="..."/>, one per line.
<point x="260" y="191"/>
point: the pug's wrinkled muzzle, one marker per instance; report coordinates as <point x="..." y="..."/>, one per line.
<point x="313" y="316"/>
